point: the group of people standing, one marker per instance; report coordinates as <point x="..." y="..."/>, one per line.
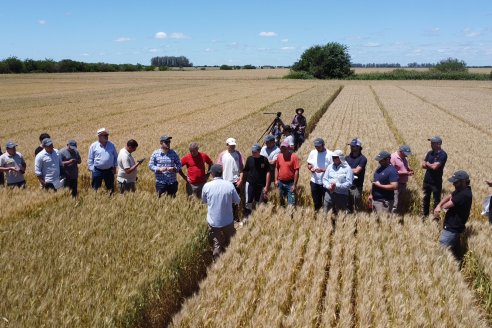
<point x="336" y="180"/>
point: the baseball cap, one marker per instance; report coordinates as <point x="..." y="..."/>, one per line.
<point x="165" y="138"/>
<point x="102" y="131"/>
<point x="10" y="144"/>
<point x="459" y="175"/>
<point x="382" y="155"/>
<point x="216" y="169"/>
<point x="338" y="153"/>
<point x="435" y="139"/>
<point x="355" y="142"/>
<point x="285" y="144"/>
<point x="300" y="110"/>
<point x="406" y="150"/>
<point x="72" y="144"/>
<point x="231" y="142"/>
<point x="318" y="142"/>
<point x="269" y="138"/>
<point x="47" y="142"/>
<point x="256" y="147"/>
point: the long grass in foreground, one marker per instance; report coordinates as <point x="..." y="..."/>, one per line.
<point x="291" y="270"/>
<point x="102" y="261"/>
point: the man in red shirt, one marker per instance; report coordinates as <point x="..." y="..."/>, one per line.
<point x="196" y="175"/>
<point x="287" y="174"/>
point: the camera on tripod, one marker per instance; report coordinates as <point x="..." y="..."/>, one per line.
<point x="275" y="128"/>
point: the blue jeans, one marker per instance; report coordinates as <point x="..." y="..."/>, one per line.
<point x="99" y="175"/>
<point x="284" y="187"/>
<point x="451" y="240"/>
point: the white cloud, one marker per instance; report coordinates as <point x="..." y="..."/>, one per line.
<point x="468" y="32"/>
<point x="284" y="40"/>
<point x="160" y="35"/>
<point x="436" y="30"/>
<point x="373" y="44"/>
<point x="178" y="35"/>
<point x="288" y="48"/>
<point x="122" y="39"/>
<point x="85" y="54"/>
<point x="208" y="50"/>
<point x="153" y="50"/>
<point x="42" y="22"/>
<point x="267" y="34"/>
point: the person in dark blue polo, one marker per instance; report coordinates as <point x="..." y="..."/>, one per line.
<point x="433" y="163"/>
<point x="102" y="161"/>
<point x="357" y="162"/>
<point x="384" y="184"/>
<point x="457" y="207"/>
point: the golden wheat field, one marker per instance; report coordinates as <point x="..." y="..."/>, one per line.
<point x="138" y="261"/>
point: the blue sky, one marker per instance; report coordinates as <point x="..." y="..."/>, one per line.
<point x="246" y="32"/>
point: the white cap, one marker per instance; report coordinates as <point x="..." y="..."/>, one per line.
<point x="102" y="131"/>
<point x="338" y="153"/>
<point x="231" y="142"/>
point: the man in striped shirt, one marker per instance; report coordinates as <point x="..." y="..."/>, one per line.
<point x="165" y="163"/>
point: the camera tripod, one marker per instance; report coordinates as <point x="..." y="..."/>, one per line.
<point x="276" y="121"/>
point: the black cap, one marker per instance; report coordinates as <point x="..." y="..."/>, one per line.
<point x="382" y="155"/>
<point x="459" y="175"/>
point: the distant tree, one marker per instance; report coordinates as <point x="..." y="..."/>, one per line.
<point x="451" y="65"/>
<point x="331" y="61"/>
<point x="15" y="65"/>
<point x="171" y="61"/>
<point x="249" y="67"/>
<point x="226" y="67"/>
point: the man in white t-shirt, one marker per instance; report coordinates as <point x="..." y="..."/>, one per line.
<point x="127" y="167"/>
<point x="232" y="162"/>
<point x="317" y="162"/>
<point x="288" y="136"/>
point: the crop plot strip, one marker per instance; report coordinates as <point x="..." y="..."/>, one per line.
<point x="417" y="121"/>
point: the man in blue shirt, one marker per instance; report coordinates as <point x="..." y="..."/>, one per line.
<point x="357" y="162"/>
<point x="165" y="163"/>
<point x="384" y="184"/>
<point x="219" y="195"/>
<point x="47" y="166"/>
<point x="102" y="161"/>
<point x="434" y="165"/>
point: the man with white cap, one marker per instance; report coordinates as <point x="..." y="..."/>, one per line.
<point x="287" y="174"/>
<point x="219" y="195"/>
<point x="433" y="163"/>
<point x="48" y="166"/>
<point x="70" y="157"/>
<point x="13" y="165"/>
<point x="337" y="181"/>
<point x="165" y="163"/>
<point x="232" y="162"/>
<point x="384" y="184"/>
<point x="257" y="176"/>
<point x="102" y="161"/>
<point x="317" y="161"/>
<point x="357" y="162"/>
<point x="457" y="207"/>
<point x="400" y="163"/>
